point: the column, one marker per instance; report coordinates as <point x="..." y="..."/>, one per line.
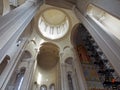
<point x="14" y="23"/>
<point x="78" y="70"/>
<point x="28" y="75"/>
<point x="64" y="81"/>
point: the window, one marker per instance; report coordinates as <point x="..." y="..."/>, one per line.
<point x="52" y="87"/>
<point x="19" y="78"/>
<point x="43" y="87"/>
<point x="4" y="63"/>
<point x="70" y="82"/>
<point x="16" y="79"/>
<point x="106" y="21"/>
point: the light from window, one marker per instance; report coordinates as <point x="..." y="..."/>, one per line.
<point x="52" y="87"/>
<point x="39" y="78"/>
<point x="106" y="21"/>
<point x="43" y="87"/>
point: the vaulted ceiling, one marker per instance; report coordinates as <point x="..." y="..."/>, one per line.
<point x="48" y="56"/>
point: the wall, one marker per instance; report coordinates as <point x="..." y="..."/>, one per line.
<point x="111" y="6"/>
<point x="105" y="41"/>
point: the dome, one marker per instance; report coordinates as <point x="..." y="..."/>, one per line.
<point x="53" y="24"/>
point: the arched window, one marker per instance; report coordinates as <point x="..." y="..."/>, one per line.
<point x="19" y="78"/>
<point x="16" y="79"/>
<point x="52" y="87"/>
<point x="26" y="54"/>
<point x="70" y="82"/>
<point x="4" y="63"/>
<point x="43" y="87"/>
<point x="69" y="60"/>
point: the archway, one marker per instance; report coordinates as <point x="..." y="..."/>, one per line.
<point x="48" y="55"/>
<point x="26" y="55"/>
<point x="48" y="64"/>
<point x="74" y="34"/>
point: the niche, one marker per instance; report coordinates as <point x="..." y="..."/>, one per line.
<point x="69" y="60"/>
<point x="4" y="63"/>
<point x="16" y="79"/>
<point x="43" y="87"/>
<point x="70" y="82"/>
<point x="26" y="55"/>
<point x="52" y="87"/>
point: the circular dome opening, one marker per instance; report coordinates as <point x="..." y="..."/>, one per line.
<point x="53" y="24"/>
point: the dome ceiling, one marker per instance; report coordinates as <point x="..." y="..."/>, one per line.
<point x="53" y="24"/>
<point x="54" y="16"/>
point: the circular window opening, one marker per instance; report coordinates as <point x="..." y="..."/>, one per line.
<point x="53" y="24"/>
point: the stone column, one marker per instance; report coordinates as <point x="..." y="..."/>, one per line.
<point x="6" y="75"/>
<point x="28" y="74"/>
<point x="79" y="72"/>
<point x="14" y="23"/>
<point x="64" y="81"/>
<point x="64" y="77"/>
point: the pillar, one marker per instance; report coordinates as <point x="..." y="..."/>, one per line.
<point x="15" y="22"/>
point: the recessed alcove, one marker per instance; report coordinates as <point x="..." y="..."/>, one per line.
<point x="47" y="64"/>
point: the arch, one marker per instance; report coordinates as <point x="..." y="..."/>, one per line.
<point x="50" y="44"/>
<point x="16" y="79"/>
<point x="66" y="47"/>
<point x="70" y="82"/>
<point x="26" y="54"/>
<point x="52" y="86"/>
<point x="43" y="87"/>
<point x="19" y="78"/>
<point x="33" y="42"/>
<point x="48" y="55"/>
<point x="4" y="63"/>
<point x="69" y="60"/>
<point x="73" y="36"/>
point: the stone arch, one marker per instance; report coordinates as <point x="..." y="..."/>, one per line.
<point x="4" y="63"/>
<point x="16" y="78"/>
<point x="50" y="44"/>
<point x="66" y="47"/>
<point x="33" y="41"/>
<point x="69" y="60"/>
<point x="43" y="87"/>
<point x="26" y="55"/>
<point x="48" y="55"/>
<point x="73" y="36"/>
<point x="52" y="86"/>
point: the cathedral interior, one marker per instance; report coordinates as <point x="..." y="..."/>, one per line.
<point x="59" y="45"/>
